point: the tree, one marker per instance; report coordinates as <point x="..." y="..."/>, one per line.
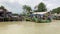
<point x="2" y="7"/>
<point x="41" y="7"/>
<point x="27" y="8"/>
<point x="56" y="10"/>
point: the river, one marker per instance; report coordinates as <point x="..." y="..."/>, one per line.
<point x="30" y="27"/>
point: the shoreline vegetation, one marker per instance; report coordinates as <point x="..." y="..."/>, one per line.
<point x="40" y="15"/>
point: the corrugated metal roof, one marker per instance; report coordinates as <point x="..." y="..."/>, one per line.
<point x="40" y="12"/>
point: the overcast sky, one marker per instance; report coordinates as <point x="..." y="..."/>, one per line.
<point x="15" y="6"/>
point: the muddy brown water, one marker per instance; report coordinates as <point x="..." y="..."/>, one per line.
<point x="30" y="27"/>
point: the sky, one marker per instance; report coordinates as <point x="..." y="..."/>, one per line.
<point x="15" y="6"/>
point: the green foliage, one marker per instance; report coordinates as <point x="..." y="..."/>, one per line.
<point x="27" y="8"/>
<point x="56" y="10"/>
<point x="2" y="7"/>
<point x="43" y="21"/>
<point x="28" y="19"/>
<point x="15" y="14"/>
<point x="37" y="20"/>
<point x="41" y="7"/>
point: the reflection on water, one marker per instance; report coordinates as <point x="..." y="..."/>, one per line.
<point x="29" y="28"/>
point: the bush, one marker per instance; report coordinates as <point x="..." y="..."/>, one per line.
<point x="28" y="19"/>
<point x="37" y="20"/>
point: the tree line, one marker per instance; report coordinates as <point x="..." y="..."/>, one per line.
<point x="41" y="7"/>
